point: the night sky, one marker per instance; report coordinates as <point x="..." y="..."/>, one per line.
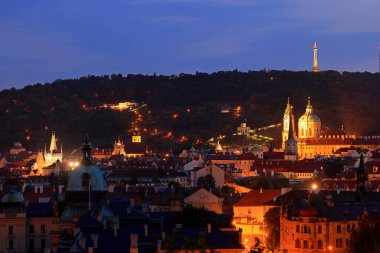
<point x="42" y="41"/>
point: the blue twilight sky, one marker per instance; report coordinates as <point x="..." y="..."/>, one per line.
<point x="44" y="40"/>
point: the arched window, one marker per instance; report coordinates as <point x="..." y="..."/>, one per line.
<point x="320" y="244"/>
<point x="305" y="244"/>
<point x="298" y="243"/>
<point x="85" y="180"/>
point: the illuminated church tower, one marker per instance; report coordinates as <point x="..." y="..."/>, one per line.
<point x="291" y="145"/>
<point x="315" y="62"/>
<point x="288" y="117"/>
<point x="118" y="148"/>
<point x="53" y="155"/>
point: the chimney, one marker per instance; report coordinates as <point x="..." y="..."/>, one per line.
<point x="60" y="188"/>
<point x="145" y="230"/>
<point x="90" y="250"/>
<point x="209" y="228"/>
<point x="95" y="238"/>
<point x="134" y="247"/>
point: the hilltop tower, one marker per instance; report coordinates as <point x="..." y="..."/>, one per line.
<point x="288" y="117"/>
<point x="315" y="62"/>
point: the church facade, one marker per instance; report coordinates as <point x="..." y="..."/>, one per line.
<point x="310" y="139"/>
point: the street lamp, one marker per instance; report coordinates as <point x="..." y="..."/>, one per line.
<point x="330" y="248"/>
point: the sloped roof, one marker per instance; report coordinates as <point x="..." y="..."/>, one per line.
<point x="258" y="197"/>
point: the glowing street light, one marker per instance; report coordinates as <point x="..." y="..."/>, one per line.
<point x="73" y="164"/>
<point x="314" y="186"/>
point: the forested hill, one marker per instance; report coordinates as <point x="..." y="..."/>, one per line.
<point x="33" y="112"/>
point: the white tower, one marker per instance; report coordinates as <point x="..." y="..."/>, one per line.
<point x="288" y="119"/>
<point x="315" y="62"/>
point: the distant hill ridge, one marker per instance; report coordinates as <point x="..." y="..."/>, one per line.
<point x="338" y="98"/>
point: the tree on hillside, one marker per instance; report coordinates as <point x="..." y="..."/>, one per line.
<point x="272" y="228"/>
<point x="366" y="238"/>
<point x="206" y="182"/>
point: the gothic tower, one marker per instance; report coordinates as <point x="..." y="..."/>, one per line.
<point x="288" y="117"/>
<point x="315" y="62"/>
<point x="291" y="147"/>
<point x="118" y="148"/>
<point x="53" y="154"/>
<point x="361" y="176"/>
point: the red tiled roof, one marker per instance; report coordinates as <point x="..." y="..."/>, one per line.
<point x="257" y="198"/>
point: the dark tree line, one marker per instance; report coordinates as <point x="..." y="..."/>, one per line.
<point x="338" y="98"/>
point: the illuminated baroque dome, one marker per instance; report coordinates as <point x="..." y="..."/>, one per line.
<point x="309" y="124"/>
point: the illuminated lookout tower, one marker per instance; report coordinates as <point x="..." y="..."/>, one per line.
<point x="315" y="62"/>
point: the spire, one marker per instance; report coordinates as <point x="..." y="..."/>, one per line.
<point x="61" y="148"/>
<point x="309" y="107"/>
<point x="86" y="150"/>
<point x="53" y="142"/>
<point x="361" y="177"/>
<point x="315" y="62"/>
<point x="361" y="162"/>
<point x="291" y="134"/>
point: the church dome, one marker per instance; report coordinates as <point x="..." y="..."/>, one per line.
<point x="87" y="175"/>
<point x="309" y="124"/>
<point x="83" y="175"/>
